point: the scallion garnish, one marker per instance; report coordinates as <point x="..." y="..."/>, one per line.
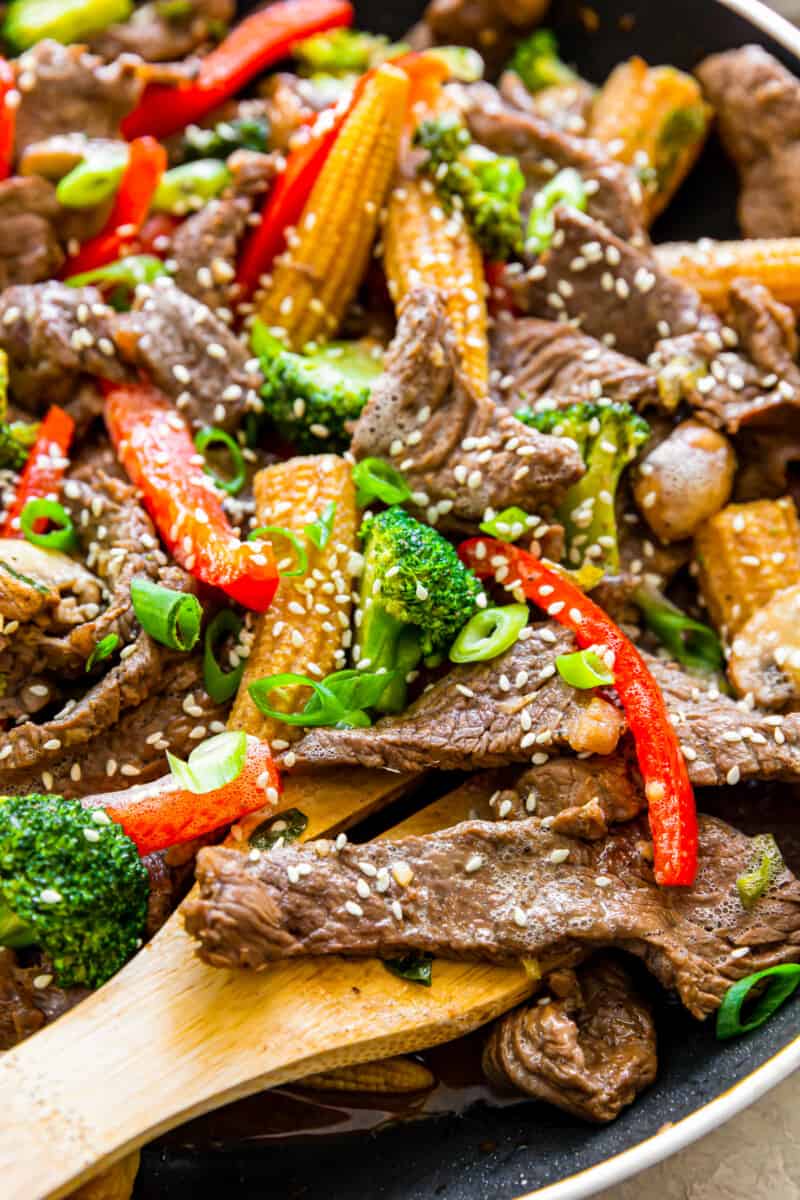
<point x="567" y="188"/>
<point x="220" y="684"/>
<point x="319" y="531"/>
<point x="783" y="980"/>
<point x="270" y="531"/>
<point x="509" y="524"/>
<point x="339" y="699"/>
<point x="61" y="538"/>
<point x="214" y="763"/>
<point x="211" y="436"/>
<point x="172" y="618"/>
<point x="768" y="863"/>
<point x="104" y="648"/>
<point x="129" y="272"/>
<point x="415" y="968"/>
<point x="584" y="669"/>
<point x="379" y="480"/>
<point x="283" y="827"/>
<point x="489" y="633"/>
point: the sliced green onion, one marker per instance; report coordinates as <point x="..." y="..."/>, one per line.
<point x="689" y="642"/>
<point x="509" y="524"/>
<point x="752" y="884"/>
<point x="211" y="436"/>
<point x="93" y="180"/>
<point x="415" y="968"/>
<point x="339" y="700"/>
<point x="379" y="480"/>
<point x="191" y="185"/>
<point x="214" y="763"/>
<point x="283" y="827"/>
<point x="172" y="618"/>
<point x="567" y="187"/>
<point x="329" y="710"/>
<point x="220" y="684"/>
<point x="319" y="532"/>
<point x="783" y="981"/>
<point x="354" y="690"/>
<point x="61" y="538"/>
<point x="489" y="633"/>
<point x="270" y="531"/>
<point x="104" y="648"/>
<point x="584" y="669"/>
<point x="130" y="272"/>
<point x="29" y="21"/>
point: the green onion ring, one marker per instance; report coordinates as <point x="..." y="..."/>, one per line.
<point x="508" y="525"/>
<point x="376" y="479"/>
<point x="171" y="618"/>
<point x="489" y="633"/>
<point x="221" y="685"/>
<point x="103" y="649"/>
<point x="584" y="669"/>
<point x="267" y="531"/>
<point x="328" y="713"/>
<point x="210" y="436"/>
<point x="214" y="763"/>
<point x="783" y="981"/>
<point x="319" y="531"/>
<point x="61" y="538"/>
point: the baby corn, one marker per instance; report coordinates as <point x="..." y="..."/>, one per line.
<point x="711" y="267"/>
<point x="390" y="1075"/>
<point x="316" y="278"/>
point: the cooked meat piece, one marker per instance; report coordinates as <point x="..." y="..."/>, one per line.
<point x="29" y="999"/>
<point x="36" y="583"/>
<point x="684" y="480"/>
<point x="64" y="88"/>
<point x="553" y="365"/>
<point x="29" y="249"/>
<point x="204" y="249"/>
<point x="757" y="103"/>
<point x="563" y="105"/>
<point x="289" y="106"/>
<point x="460" y="452"/>
<point x="491" y="26"/>
<point x="53" y="335"/>
<point x="615" y="195"/>
<point x="616" y="292"/>
<point x="190" y="354"/>
<point x="766" y="461"/>
<point x="532" y="894"/>
<point x="765" y="653"/>
<point x="252" y="172"/>
<point x="156" y="37"/>
<point x="589" y="1052"/>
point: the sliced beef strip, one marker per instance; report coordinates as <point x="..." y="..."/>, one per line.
<point x="589" y="1051"/>
<point x="565" y="106"/>
<point x="204" y="249"/>
<point x="64" y="88"/>
<point x="460" y="452"/>
<point x="53" y="336"/>
<point x="615" y="195"/>
<point x="491" y="26"/>
<point x="757" y="102"/>
<point x="516" y="901"/>
<point x="551" y="365"/>
<point x="612" y="290"/>
<point x="29" y="246"/>
<point x="191" y="355"/>
<point x="159" y="38"/>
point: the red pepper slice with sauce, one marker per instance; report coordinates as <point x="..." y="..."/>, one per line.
<point x="42" y="474"/>
<point x="156" y="449"/>
<point x="256" y="43"/>
<point x="9" y="99"/>
<point x="670" y="798"/>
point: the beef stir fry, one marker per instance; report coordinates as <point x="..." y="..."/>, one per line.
<point x="353" y="430"/>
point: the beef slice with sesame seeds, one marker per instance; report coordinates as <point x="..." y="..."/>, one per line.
<point x="204" y="249"/>
<point x="64" y="88"/>
<point x="615" y="195"/>
<point x="554" y="365"/>
<point x="158" y="35"/>
<point x="535" y="894"/>
<point x="589" y="1049"/>
<point x="54" y="336"/>
<point x="608" y="287"/>
<point x="757" y="103"/>
<point x="190" y="354"/>
<point x="466" y="454"/>
<point x="29" y="240"/>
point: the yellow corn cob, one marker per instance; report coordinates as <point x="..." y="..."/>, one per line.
<point x="315" y="280"/>
<point x="653" y="118"/>
<point x="711" y="267"/>
<point x="745" y="554"/>
<point x="385" y="1075"/>
<point x="292" y="494"/>
<point x="115" y="1183"/>
<point x="424" y="245"/>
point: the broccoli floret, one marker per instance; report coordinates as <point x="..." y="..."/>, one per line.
<point x="241" y="133"/>
<point x="416" y="594"/>
<point x="608" y="437"/>
<point x="536" y="62"/>
<point x="72" y="883"/>
<point x="342" y="51"/>
<point x="313" y="398"/>
<point x="17" y="437"/>
<point x="487" y="187"/>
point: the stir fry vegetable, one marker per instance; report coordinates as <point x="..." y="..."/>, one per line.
<point x="44" y="468"/>
<point x="29" y="21"/>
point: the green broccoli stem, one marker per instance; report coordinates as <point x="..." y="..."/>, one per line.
<point x="690" y="642"/>
<point x="14" y="932"/>
<point x="387" y="643"/>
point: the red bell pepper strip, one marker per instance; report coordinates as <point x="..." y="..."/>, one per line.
<point x="147" y="161"/>
<point x="256" y="43"/>
<point x="499" y="298"/>
<point x="42" y="474"/>
<point x="162" y="814"/>
<point x="9" y="99"/>
<point x="673" y="818"/>
<point x="158" y="453"/>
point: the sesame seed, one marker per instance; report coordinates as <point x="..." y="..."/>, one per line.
<point x="558" y="856"/>
<point x="520" y="917"/>
<point x="355" y="910"/>
<point x="733" y="776"/>
<point x="474" y="863"/>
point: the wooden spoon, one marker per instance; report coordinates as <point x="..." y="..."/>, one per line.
<point x="169" y="1038"/>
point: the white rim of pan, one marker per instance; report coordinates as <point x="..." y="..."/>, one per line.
<point x="710" y="1116"/>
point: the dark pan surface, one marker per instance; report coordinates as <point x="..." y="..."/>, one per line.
<point x="503" y="1152"/>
